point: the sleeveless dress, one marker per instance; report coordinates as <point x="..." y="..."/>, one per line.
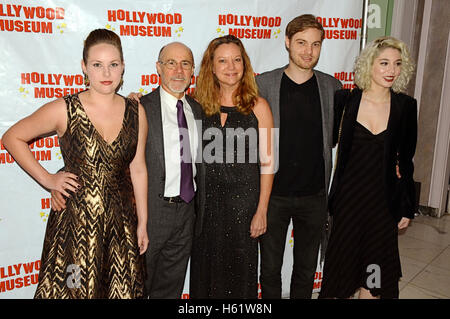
<point x="90" y="248"/>
<point x="224" y="258"/>
<point x="363" y="246"/>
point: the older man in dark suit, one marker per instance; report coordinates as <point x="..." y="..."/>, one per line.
<point x="301" y="100"/>
<point x="173" y="147"/>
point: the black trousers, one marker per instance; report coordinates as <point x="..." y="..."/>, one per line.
<point x="308" y="214"/>
<point x="170" y="241"/>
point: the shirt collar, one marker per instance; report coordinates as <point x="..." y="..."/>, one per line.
<point x="169" y="98"/>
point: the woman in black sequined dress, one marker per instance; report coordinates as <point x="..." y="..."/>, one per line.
<point x="238" y="174"/>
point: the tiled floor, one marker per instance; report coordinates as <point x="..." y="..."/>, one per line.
<point x="425" y="257"/>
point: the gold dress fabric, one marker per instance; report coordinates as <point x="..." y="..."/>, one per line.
<point x="90" y="248"/>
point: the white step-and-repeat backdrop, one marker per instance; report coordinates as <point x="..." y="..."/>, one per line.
<point x="41" y="45"/>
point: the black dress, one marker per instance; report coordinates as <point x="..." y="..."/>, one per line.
<point x="363" y="247"/>
<point x="224" y="258"/>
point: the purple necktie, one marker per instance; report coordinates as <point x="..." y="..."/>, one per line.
<point x="186" y="180"/>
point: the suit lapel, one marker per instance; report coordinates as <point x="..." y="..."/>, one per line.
<point x="348" y="124"/>
<point x="198" y="116"/>
<point x="326" y="108"/>
<point x="275" y="96"/>
<point x="323" y="101"/>
<point x="394" y="119"/>
<point x="195" y="107"/>
<point x="155" y="129"/>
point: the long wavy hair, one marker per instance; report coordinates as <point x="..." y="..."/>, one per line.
<point x="364" y="62"/>
<point x="207" y="90"/>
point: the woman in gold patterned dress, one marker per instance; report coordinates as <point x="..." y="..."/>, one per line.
<point x="94" y="247"/>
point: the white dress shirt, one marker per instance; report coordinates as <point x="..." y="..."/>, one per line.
<point x="171" y="137"/>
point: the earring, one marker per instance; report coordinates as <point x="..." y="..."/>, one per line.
<point x="86" y="80"/>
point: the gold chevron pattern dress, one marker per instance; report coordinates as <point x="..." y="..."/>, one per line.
<point x="90" y="248"/>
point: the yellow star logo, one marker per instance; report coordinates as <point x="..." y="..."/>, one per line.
<point x="44" y="216"/>
<point x="110" y="27"/>
<point x="61" y="26"/>
<point x="23" y="91"/>
<point x="276" y="33"/>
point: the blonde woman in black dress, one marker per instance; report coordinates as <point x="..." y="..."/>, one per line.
<point x="368" y="201"/>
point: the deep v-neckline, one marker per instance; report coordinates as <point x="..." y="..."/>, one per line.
<point x="225" y="110"/>
<point x="388" y="120"/>
<point x="95" y="129"/>
<point x="370" y="130"/>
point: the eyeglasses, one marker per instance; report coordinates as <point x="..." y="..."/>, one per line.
<point x="172" y="64"/>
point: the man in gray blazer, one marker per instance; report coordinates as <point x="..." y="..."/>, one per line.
<point x="301" y="100"/>
<point x="171" y="213"/>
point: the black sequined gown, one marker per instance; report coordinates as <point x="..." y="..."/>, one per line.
<point x="224" y="259"/>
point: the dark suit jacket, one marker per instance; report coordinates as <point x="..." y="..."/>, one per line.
<point x="269" y="84"/>
<point x="401" y="137"/>
<point x="155" y="155"/>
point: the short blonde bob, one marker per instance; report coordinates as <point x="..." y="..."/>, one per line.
<point x="207" y="91"/>
<point x="364" y="63"/>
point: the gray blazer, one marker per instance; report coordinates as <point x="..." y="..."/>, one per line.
<point x="154" y="155"/>
<point x="269" y="84"/>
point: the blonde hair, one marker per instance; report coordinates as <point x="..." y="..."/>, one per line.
<point x="364" y="62"/>
<point x="207" y="90"/>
